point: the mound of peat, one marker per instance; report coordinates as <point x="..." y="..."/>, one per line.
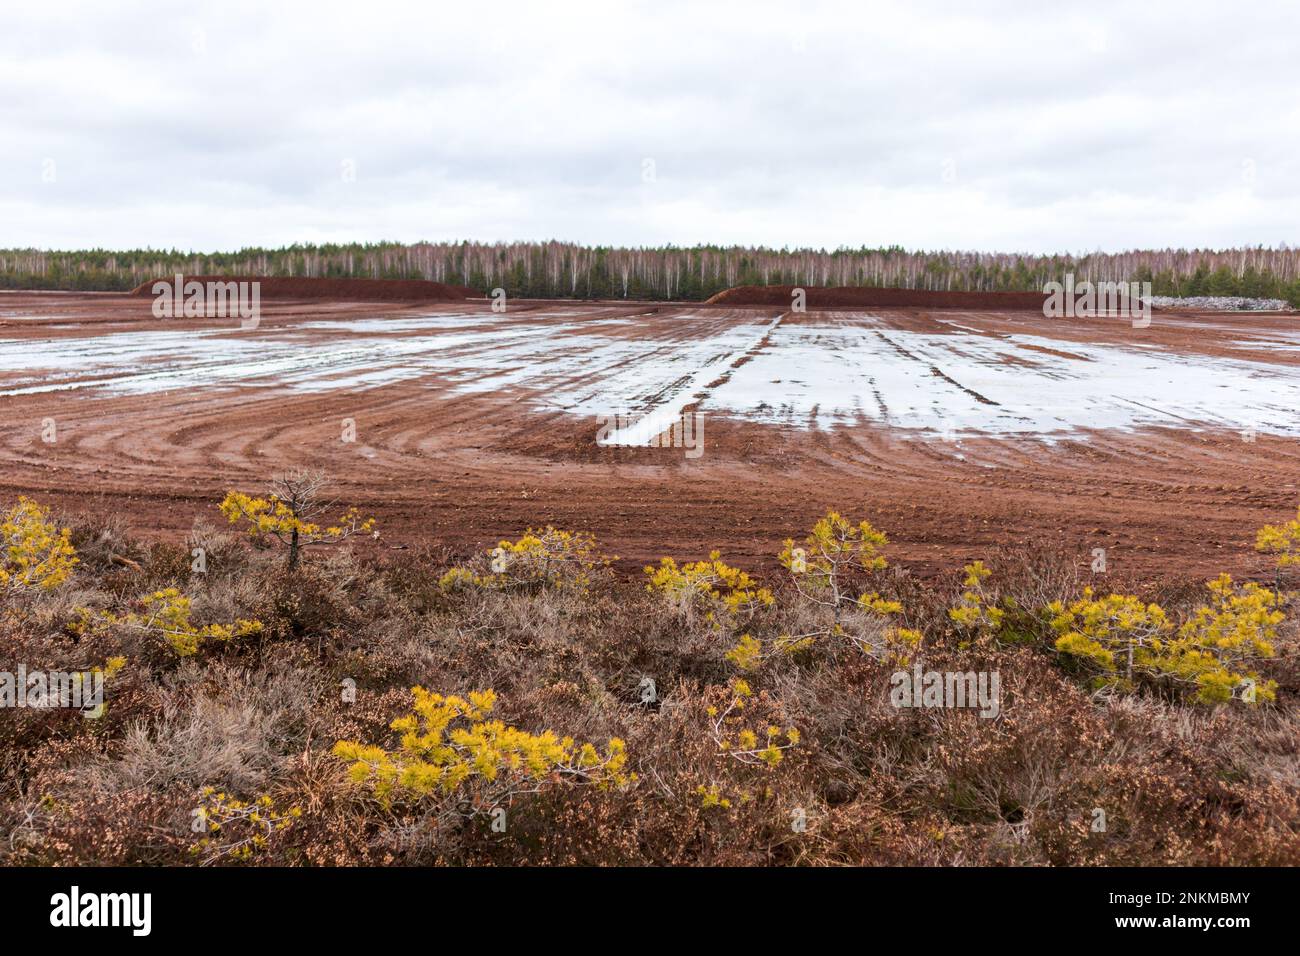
<point x="822" y="297"/>
<point x="339" y="290"/>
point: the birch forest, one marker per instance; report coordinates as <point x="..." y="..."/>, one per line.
<point x="569" y="270"/>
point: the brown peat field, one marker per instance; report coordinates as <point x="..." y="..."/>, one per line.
<point x="955" y="431"/>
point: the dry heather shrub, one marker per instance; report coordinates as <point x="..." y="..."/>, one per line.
<point x="49" y="612"/>
<point x="225" y="598"/>
<point x="319" y="604"/>
<point x="99" y="539"/>
<point x="1055" y="764"/>
<point x="500" y="640"/>
<point x="1007" y="774"/>
<point x="1035" y="576"/>
<point x="33" y="636"/>
<point x="808" y="631"/>
<point x="221" y="552"/>
<point x="866" y="782"/>
<point x="842" y="709"/>
<point x="126" y="699"/>
<point x="514" y="642"/>
<point x="950" y="787"/>
<point x="141" y="827"/>
<point x="217" y="725"/>
<point x="412" y="576"/>
<point x="1216" y="793"/>
<point x="397" y="651"/>
<point x="1262" y="746"/>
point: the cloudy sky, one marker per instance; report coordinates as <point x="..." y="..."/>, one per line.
<point x="975" y="125"/>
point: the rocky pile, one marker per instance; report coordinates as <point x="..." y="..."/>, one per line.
<point x="1220" y="303"/>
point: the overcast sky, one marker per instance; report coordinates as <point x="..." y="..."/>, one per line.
<point x="994" y="125"/>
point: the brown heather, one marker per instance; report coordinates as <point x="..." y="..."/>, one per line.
<point x="1179" y="782"/>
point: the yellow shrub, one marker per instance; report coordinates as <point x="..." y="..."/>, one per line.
<point x="712" y="796"/>
<point x="238" y="829"/>
<point x="747" y="654"/>
<point x="713" y="587"/>
<point x="901" y="643"/>
<point x="833" y="547"/>
<point x="1120" y="637"/>
<point x="167" y="613"/>
<point x="36" y="553"/>
<point x="546" y="557"/>
<point x="821" y="568"/>
<point x="111" y="667"/>
<point x="728" y="727"/>
<point x="1282" y="540"/>
<point x="975" y="610"/>
<point x="1096" y="629"/>
<point x="272" y="516"/>
<point x="1238" y="625"/>
<point x="288" y="515"/>
<point x="450" y="748"/>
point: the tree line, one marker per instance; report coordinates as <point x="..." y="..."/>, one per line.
<point x="569" y="270"/>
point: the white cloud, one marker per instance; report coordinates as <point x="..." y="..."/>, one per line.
<point x="942" y="124"/>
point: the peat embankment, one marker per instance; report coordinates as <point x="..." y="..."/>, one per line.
<point x="853" y="297"/>
<point x="338" y="290"/>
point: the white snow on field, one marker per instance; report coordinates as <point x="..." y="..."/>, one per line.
<point x="667" y="412"/>
<point x="990" y="385"/>
<point x="1276" y="342"/>
<point x="857" y="368"/>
